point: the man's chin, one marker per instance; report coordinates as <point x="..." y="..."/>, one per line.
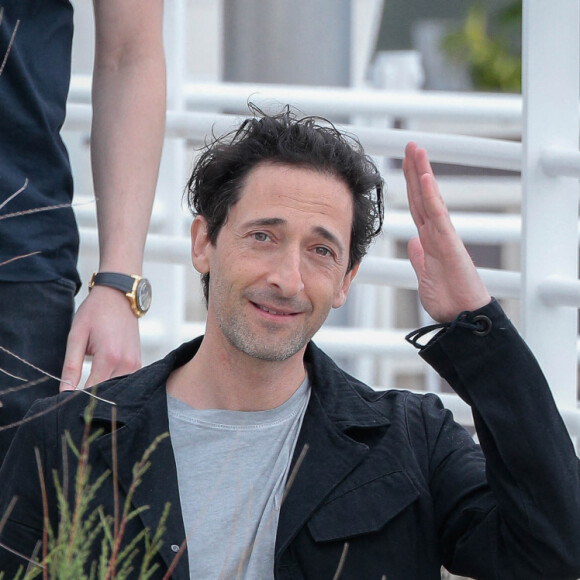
<point x="273" y="355"/>
<point x="271" y="351"/>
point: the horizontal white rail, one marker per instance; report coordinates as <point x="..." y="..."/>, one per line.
<point x="346" y="101"/>
<point x="561" y="162"/>
<point x="455" y="149"/>
<point x="556" y="290"/>
<point x="435" y="105"/>
<point x="159" y="248"/>
<point x="368" y="341"/>
<point x="399" y="273"/>
<point x="438" y="105"/>
<point x="477" y="228"/>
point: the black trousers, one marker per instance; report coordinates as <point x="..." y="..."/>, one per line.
<point x="35" y="319"/>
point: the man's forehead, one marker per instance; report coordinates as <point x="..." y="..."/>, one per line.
<point x="303" y="188"/>
<point x="283" y="180"/>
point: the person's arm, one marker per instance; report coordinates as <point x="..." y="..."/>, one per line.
<point x="126" y="139"/>
<point x="517" y="514"/>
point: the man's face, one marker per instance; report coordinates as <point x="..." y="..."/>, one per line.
<point x="280" y="261"/>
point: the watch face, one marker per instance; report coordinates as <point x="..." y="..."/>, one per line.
<point x="143" y="295"/>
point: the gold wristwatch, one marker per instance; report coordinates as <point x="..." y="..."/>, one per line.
<point x="136" y="289"/>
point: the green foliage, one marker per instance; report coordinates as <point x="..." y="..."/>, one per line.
<point x="67" y="549"/>
<point x="491" y="46"/>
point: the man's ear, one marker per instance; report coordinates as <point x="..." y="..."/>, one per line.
<point x="342" y="293"/>
<point x="200" y="245"/>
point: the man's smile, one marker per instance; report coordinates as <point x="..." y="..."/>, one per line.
<point x="276" y="312"/>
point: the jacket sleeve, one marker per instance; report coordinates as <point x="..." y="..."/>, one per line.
<point x="524" y="520"/>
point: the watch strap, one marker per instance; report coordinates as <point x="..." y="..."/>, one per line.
<point x="121" y="282"/>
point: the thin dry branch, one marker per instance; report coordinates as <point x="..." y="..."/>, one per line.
<point x="16" y="193"/>
<point x="29" y="418"/>
<point x="44" y="511"/>
<point x="7" y="513"/>
<point x="19" y="257"/>
<point x="341" y="562"/>
<point x="59" y="379"/>
<point x="34" y="210"/>
<point x="10" y="43"/>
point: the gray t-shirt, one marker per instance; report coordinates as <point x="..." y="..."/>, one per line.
<point x="232" y="468"/>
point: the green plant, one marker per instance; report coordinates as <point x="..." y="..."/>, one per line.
<point x="490" y="44"/>
<point x="66" y="550"/>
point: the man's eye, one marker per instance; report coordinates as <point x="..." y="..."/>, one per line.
<point x="260" y="236"/>
<point x="322" y="251"/>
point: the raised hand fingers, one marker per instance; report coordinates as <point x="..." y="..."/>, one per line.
<point x="413" y="184"/>
<point x="448" y="280"/>
<point x="425" y="201"/>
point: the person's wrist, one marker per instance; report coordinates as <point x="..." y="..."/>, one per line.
<point x="136" y="288"/>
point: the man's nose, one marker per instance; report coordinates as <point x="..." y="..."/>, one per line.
<point x="286" y="273"/>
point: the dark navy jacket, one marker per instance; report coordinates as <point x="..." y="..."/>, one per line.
<point x="386" y="481"/>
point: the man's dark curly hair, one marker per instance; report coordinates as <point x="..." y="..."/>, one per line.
<point x="309" y="142"/>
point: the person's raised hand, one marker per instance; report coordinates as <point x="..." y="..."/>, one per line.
<point x="448" y="281"/>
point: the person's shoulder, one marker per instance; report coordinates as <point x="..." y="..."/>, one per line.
<point x="324" y="369"/>
<point x="115" y="391"/>
<point x="404" y="400"/>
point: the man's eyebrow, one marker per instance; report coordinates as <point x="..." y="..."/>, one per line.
<point x="327" y="235"/>
<point x="261" y="222"/>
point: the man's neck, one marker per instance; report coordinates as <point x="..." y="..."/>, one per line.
<point x="225" y="378"/>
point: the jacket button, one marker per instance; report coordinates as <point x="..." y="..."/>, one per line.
<point x="175" y="547"/>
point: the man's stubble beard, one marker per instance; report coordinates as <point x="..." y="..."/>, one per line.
<point x="266" y="346"/>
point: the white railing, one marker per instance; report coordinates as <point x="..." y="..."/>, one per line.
<point x="547" y="286"/>
<point x="340" y="102"/>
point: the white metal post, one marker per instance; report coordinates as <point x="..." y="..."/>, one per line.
<point x="550" y="203"/>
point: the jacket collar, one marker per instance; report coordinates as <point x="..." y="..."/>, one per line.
<point x="336" y="390"/>
<point x="340" y="394"/>
<point x="132" y="392"/>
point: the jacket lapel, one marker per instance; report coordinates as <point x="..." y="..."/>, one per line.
<point x="158" y="485"/>
<point x="142" y="421"/>
<point x="329" y="455"/>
